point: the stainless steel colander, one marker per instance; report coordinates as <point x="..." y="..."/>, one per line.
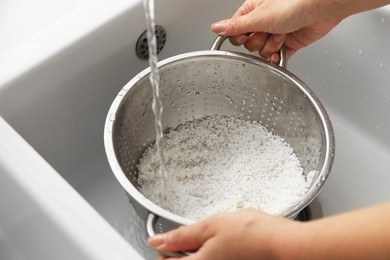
<point x="197" y="84"/>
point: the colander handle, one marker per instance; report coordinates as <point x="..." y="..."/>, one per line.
<point x="150" y="223"/>
<point x="282" y="52"/>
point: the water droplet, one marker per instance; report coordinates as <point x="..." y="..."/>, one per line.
<point x="197" y="93"/>
<point x="382" y="20"/>
<point x="229" y="98"/>
<point x="360" y="52"/>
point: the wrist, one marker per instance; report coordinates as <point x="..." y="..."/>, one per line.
<point x="289" y="241"/>
<point x="319" y="10"/>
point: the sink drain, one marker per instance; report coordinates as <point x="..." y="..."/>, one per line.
<point x="142" y="49"/>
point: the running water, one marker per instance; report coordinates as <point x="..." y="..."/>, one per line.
<point x="155" y="80"/>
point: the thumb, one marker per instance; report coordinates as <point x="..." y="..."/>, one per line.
<point x="189" y="237"/>
<point x="238" y="25"/>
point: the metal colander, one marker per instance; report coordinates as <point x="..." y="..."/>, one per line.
<point x="197" y="84"/>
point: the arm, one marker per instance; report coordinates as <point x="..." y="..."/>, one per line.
<point x="250" y="234"/>
<point x="265" y="25"/>
<point x="361" y="234"/>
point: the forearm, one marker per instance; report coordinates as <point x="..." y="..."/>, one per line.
<point x="340" y="9"/>
<point x="361" y="234"/>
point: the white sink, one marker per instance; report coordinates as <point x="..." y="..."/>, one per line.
<point x="350" y="71"/>
<point x="59" y="198"/>
<point x="22" y="20"/>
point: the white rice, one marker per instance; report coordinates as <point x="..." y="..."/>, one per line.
<point x="218" y="164"/>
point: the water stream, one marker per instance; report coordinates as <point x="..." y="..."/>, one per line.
<point x="155" y="82"/>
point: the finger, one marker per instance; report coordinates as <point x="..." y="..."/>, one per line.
<point x="244" y="9"/>
<point x="189" y="237"/>
<point x="256" y="41"/>
<point x="275" y="57"/>
<point x="272" y="45"/>
<point x="240" y="39"/>
<point x="238" y="25"/>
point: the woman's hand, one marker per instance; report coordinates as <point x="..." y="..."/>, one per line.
<point x="265" y="25"/>
<point x="248" y="234"/>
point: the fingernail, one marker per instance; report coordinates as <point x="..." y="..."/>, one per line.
<point x="219" y="26"/>
<point x="279" y="37"/>
<point x="156" y="240"/>
<point x="275" y="58"/>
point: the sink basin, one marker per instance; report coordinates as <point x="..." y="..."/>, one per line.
<point x="349" y="70"/>
<point x="56" y="90"/>
<point x="36" y="17"/>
